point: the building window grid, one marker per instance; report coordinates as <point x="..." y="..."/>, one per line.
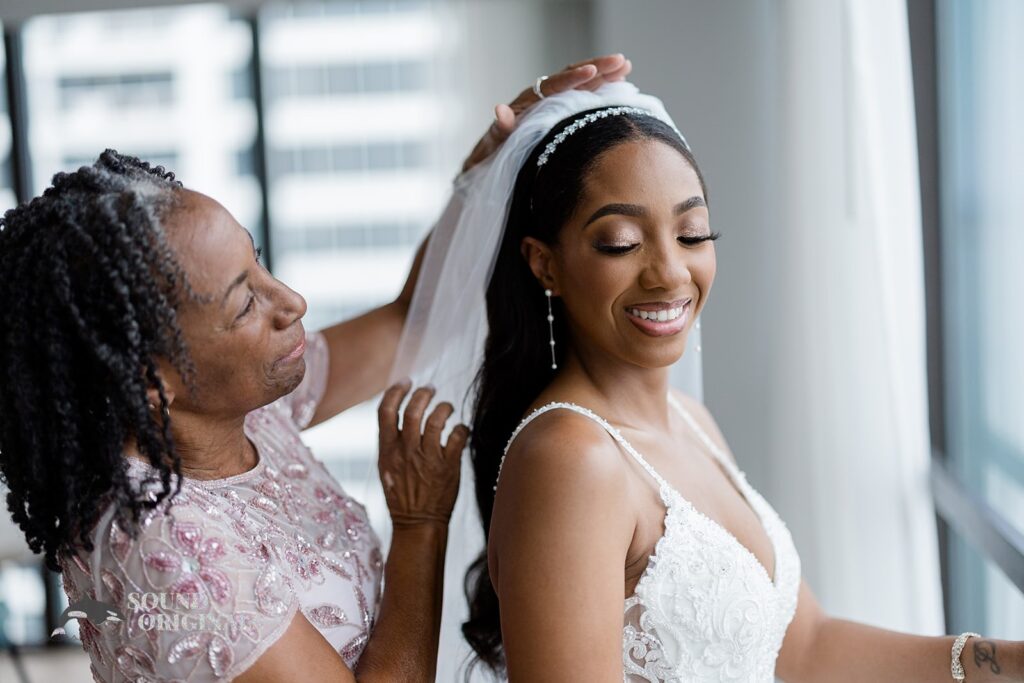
<point x="117" y="90"/>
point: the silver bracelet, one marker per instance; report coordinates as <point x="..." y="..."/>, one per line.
<point x="955" y="667"/>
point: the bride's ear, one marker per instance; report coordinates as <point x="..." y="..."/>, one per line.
<point x="540" y="258"/>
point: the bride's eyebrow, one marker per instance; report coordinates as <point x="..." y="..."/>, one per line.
<point x="617" y="210"/>
<point x="635" y="211"/>
<point x="691" y="203"/>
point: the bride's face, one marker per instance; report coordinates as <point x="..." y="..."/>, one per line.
<point x="627" y="265"/>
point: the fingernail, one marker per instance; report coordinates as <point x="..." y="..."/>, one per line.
<point x="430" y="387"/>
<point x="405" y="381"/>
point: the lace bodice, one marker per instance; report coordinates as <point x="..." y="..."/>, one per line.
<point x="705" y="609"/>
<point x="214" y="578"/>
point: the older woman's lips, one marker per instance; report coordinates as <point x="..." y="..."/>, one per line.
<point x="296" y="352"/>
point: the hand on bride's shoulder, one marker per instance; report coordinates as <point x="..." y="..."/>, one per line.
<point x="703" y="416"/>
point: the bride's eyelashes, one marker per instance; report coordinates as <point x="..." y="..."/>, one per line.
<point x="614" y="248"/>
<point x="618" y="249"/>
<point x="710" y="237"/>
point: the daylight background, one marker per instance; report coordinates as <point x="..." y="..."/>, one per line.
<point x="863" y="345"/>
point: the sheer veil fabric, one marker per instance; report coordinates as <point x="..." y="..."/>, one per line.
<point x="443" y="339"/>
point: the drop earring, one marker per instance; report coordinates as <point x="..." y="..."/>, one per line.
<point x="551" y="329"/>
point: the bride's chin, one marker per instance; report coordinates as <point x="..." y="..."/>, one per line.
<point x="655" y="359"/>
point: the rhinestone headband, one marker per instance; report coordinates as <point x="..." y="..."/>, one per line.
<point x="590" y="118"/>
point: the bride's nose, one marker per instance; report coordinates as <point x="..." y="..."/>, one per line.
<point x="666" y="267"/>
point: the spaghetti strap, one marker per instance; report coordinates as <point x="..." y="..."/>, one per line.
<point x="712" y="446"/>
<point x="664" y="488"/>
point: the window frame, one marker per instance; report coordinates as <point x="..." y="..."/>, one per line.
<point x="958" y="510"/>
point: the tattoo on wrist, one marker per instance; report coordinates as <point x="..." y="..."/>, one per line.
<point x="985" y="655"/>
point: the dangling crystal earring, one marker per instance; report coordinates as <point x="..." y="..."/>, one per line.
<point x="551" y="329"/>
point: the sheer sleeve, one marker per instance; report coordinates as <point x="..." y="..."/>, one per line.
<point x="199" y="600"/>
<point x="303" y="401"/>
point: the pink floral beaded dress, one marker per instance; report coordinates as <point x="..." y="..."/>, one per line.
<point x="214" y="578"/>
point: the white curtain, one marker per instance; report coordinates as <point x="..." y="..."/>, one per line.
<point x="849" y="447"/>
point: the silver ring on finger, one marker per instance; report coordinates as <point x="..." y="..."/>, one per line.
<point x="536" y="86"/>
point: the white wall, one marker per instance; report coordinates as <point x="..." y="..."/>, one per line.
<point x="714" y="66"/>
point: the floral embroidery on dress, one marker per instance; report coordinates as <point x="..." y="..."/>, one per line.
<point x="213" y="578"/>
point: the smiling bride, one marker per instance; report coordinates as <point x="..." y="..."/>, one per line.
<point x="622" y="540"/>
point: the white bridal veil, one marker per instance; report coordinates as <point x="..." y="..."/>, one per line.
<point x="443" y="339"/>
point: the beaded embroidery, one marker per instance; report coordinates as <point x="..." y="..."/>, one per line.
<point x="247" y="551"/>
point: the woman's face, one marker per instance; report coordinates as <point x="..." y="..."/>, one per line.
<point x="245" y="337"/>
<point x="630" y="284"/>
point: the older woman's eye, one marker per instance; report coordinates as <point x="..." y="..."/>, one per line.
<point x="248" y="306"/>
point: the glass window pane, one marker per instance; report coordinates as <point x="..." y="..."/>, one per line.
<point x="171" y="85"/>
<point x="22" y="603"/>
<point x="353" y="128"/>
<point x="981" y="55"/>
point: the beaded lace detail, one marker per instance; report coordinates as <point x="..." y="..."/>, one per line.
<point x="705" y="609"/>
<point x="214" y="577"/>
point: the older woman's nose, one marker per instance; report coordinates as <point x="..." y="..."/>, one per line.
<point x="290" y="306"/>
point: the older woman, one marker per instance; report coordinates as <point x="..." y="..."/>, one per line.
<point x="154" y="379"/>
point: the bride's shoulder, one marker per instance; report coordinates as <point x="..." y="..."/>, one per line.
<point x="561" y="446"/>
<point x="561" y="484"/>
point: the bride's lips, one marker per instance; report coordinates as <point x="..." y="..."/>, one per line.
<point x="656" y="327"/>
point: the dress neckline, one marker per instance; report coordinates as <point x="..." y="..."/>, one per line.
<point x="252" y="434"/>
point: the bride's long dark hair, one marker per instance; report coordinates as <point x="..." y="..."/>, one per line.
<point x="517" y="358"/>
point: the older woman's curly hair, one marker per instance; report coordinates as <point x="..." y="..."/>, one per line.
<point x="88" y="289"/>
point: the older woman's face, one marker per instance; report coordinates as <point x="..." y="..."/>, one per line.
<point x="246" y="338"/>
<point x="623" y="256"/>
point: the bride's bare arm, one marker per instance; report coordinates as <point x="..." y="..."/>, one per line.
<point x="820" y="648"/>
<point x="561" y="528"/>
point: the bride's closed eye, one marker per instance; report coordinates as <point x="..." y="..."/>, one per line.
<point x="687" y="240"/>
<point x="698" y="239"/>
<point x="614" y="248"/>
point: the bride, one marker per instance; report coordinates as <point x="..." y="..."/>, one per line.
<point x="622" y="540"/>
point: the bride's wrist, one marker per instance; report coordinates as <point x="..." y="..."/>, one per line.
<point x="993" y="661"/>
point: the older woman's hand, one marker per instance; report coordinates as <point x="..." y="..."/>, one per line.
<point x="586" y="75"/>
<point x="419" y="474"/>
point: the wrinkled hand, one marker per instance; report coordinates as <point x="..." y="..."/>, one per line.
<point x="587" y="75"/>
<point x="420" y="476"/>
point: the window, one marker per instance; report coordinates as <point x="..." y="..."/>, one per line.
<point x="979" y="50"/>
<point x="116" y="90"/>
<point x="348" y="156"/>
<point x="186" y="110"/>
<point x="355" y="174"/>
<point x="327" y="79"/>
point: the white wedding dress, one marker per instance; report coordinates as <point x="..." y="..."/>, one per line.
<point x="705" y="609"/>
